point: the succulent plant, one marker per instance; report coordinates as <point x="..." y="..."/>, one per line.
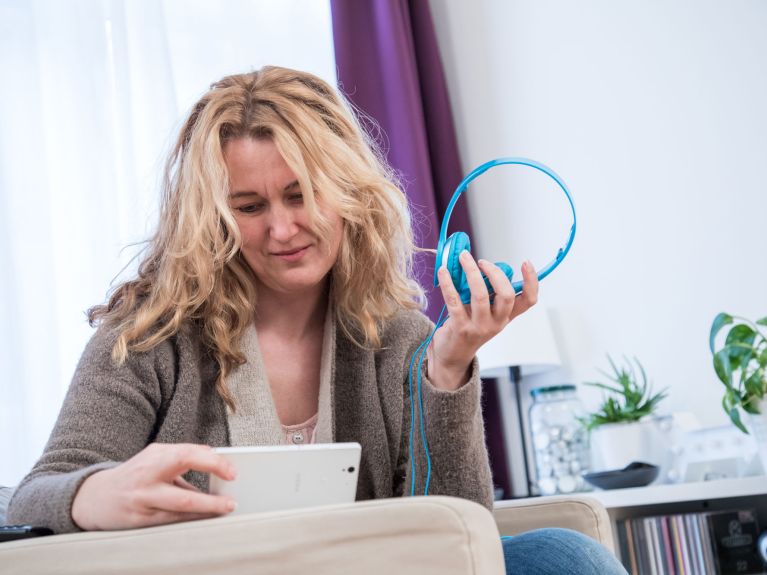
<point x="628" y="399"/>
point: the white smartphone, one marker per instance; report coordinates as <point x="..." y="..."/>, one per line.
<point x="278" y="477"/>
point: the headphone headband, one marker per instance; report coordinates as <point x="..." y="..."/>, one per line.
<point x="475" y="173"/>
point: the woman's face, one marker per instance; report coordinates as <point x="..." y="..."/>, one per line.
<point x="277" y="241"/>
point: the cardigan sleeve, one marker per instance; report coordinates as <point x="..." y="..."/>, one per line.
<point x="108" y="415"/>
<point x="453" y="428"/>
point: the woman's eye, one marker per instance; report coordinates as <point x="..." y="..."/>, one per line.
<point x="251" y="208"/>
<point x="296" y="198"/>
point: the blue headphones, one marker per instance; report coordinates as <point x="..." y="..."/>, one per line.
<point x="449" y="249"/>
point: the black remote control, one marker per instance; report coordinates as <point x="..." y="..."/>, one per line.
<point x="14" y="532"/>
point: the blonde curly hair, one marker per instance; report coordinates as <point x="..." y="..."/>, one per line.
<point x="193" y="270"/>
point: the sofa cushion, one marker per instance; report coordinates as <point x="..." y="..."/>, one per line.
<point x="433" y="535"/>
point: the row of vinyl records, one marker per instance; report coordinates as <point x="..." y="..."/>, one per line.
<point x="708" y="543"/>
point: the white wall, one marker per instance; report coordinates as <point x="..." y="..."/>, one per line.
<point x="654" y="113"/>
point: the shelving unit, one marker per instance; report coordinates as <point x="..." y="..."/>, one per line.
<point x="702" y="495"/>
<point x="716" y="495"/>
<point x="721" y="494"/>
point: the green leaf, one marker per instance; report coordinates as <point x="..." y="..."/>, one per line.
<point x="723" y="367"/>
<point x="741" y="333"/>
<point x="754" y="384"/>
<point x="720" y="321"/>
<point x="750" y="406"/>
<point x="735" y="417"/>
<point x="604" y="386"/>
<point x="627" y="399"/>
<point x="739" y="354"/>
<point x="656" y="399"/>
<point x="644" y="375"/>
<point x="740" y="342"/>
<point x="762" y="321"/>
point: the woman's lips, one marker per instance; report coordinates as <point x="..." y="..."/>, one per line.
<point x="292" y="256"/>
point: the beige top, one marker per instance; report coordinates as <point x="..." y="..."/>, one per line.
<point x="255" y="420"/>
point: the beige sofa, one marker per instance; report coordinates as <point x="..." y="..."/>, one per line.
<point x="414" y="535"/>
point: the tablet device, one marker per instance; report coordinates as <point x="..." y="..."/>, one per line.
<point x="278" y="477"/>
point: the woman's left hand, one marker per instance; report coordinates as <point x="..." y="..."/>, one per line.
<point x="470" y="326"/>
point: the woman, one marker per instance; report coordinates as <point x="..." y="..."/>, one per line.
<point x="275" y="301"/>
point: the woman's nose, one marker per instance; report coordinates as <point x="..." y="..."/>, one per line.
<point x="283" y="224"/>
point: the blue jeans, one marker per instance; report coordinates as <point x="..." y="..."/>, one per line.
<point x="558" y="552"/>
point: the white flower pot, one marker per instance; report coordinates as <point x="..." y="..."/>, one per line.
<point x="615" y="445"/>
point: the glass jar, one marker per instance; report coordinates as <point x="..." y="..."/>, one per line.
<point x="560" y="441"/>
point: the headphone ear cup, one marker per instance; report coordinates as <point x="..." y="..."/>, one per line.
<point x="458" y="242"/>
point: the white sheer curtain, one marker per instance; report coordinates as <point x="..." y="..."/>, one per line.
<point x="92" y="94"/>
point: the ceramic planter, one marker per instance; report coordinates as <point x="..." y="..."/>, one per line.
<point x="615" y="445"/>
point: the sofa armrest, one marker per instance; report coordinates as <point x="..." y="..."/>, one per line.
<point x="582" y="514"/>
<point x="418" y="535"/>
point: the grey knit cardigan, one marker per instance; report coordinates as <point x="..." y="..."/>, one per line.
<point x="167" y="395"/>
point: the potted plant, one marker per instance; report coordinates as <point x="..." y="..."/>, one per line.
<point x="625" y="428"/>
<point x="740" y="365"/>
<point x="628" y="400"/>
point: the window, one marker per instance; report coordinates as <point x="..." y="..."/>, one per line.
<point x="93" y="94"/>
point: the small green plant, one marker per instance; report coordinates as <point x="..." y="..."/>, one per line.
<point x="629" y="399"/>
<point x="740" y="364"/>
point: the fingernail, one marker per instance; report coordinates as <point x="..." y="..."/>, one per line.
<point x="482" y="262"/>
<point x="232" y="473"/>
<point x="231" y="506"/>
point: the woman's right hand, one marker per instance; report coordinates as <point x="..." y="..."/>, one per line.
<point x="148" y="489"/>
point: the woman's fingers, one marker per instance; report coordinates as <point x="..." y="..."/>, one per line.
<point x="529" y="295"/>
<point x="172" y="460"/>
<point x="503" y="301"/>
<point x="450" y="294"/>
<point x="184" y="484"/>
<point x="506" y="304"/>
<point x="480" y="297"/>
<point x="155" y="517"/>
<point x="148" y="489"/>
<point x="169" y="498"/>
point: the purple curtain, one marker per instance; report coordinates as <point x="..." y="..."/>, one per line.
<point x="389" y="66"/>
